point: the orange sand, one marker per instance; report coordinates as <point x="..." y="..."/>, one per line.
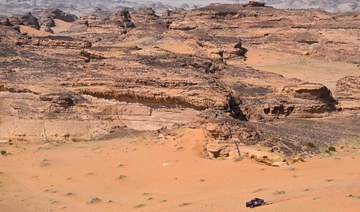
<point x="168" y="175"/>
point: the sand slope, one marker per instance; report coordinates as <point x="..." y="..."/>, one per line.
<point x="154" y="174"/>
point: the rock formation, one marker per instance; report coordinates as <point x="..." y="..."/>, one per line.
<point x="29" y="20"/>
<point x="122" y="18"/>
<point x="59" y="14"/>
<point x="348" y="92"/>
<point x="181" y="69"/>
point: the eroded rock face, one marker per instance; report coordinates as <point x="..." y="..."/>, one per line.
<point x="96" y="80"/>
<point x="348" y="93"/>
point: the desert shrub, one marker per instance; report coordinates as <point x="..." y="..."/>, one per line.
<point x="3" y="152"/>
<point x="184" y="204"/>
<point x="298" y="160"/>
<point x="121" y="177"/>
<point x="311" y="144"/>
<point x="239" y="158"/>
<point x="279" y="192"/>
<point x="139" y="205"/>
<point x="332" y="149"/>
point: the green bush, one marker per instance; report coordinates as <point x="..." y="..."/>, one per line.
<point x="239" y="158"/>
<point x="3" y="152"/>
<point x="298" y="160"/>
<point x="332" y="149"/>
<point x="311" y="144"/>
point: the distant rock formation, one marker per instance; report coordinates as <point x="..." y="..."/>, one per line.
<point x="59" y="14"/>
<point x="11" y="7"/>
<point x="122" y="18"/>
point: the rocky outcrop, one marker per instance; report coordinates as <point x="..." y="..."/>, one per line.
<point x="186" y="23"/>
<point x="5" y="22"/>
<point x="59" y="14"/>
<point x="29" y="20"/>
<point x="348" y="93"/>
<point x="306" y="37"/>
<point x="79" y="26"/>
<point x="11" y="36"/>
<point x="122" y="18"/>
<point x="254" y="4"/>
<point x="145" y="13"/>
<point x="91" y="80"/>
<point x="47" y="21"/>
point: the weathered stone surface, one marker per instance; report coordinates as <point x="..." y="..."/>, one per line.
<point x="91" y="80"/>
<point x="348" y="93"/>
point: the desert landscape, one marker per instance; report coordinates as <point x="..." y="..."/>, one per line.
<point x="190" y="109"/>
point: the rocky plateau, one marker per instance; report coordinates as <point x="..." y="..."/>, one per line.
<point x="68" y="78"/>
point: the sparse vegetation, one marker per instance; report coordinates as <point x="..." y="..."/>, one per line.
<point x="120" y="177"/>
<point x="75" y="140"/>
<point x="180" y="148"/>
<point x="257" y="190"/>
<point x="291" y="169"/>
<point x="298" y="160"/>
<point x="3" y="152"/>
<point x="90" y="174"/>
<point x="44" y="163"/>
<point x="239" y="158"/>
<point x="311" y="145"/>
<point x="332" y="149"/>
<point x="94" y="200"/>
<point x="139" y="205"/>
<point x="279" y="192"/>
<point x="68" y="194"/>
<point x="184" y="204"/>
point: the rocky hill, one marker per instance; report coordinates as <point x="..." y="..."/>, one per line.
<point x="66" y="78"/>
